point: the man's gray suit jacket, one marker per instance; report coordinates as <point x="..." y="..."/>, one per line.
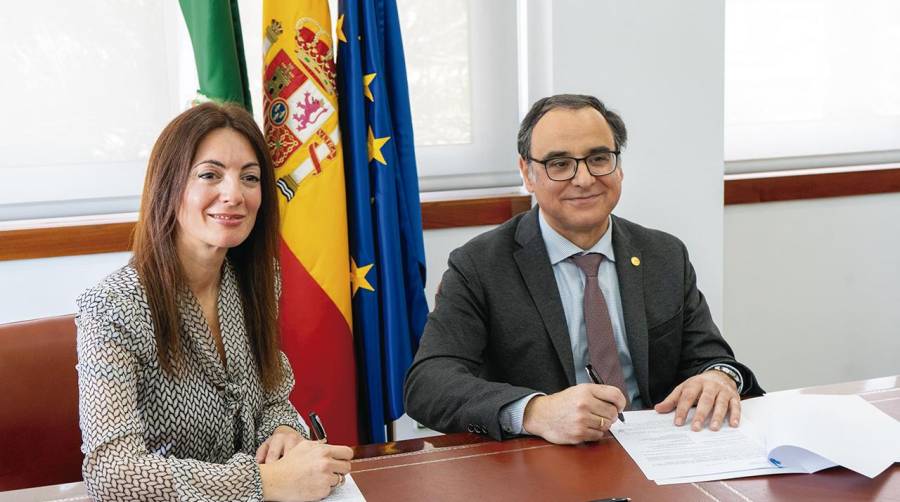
<point x="498" y="331"/>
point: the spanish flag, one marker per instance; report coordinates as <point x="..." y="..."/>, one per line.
<point x="301" y="128"/>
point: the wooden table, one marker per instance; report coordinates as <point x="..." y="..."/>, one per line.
<point x="470" y="468"/>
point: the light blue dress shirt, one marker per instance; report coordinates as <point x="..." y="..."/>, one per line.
<point x="570" y="282"/>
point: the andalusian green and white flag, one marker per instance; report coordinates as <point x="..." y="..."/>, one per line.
<point x="215" y="28"/>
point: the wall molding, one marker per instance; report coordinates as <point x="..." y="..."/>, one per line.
<point x="90" y="235"/>
<point x="810" y="184"/>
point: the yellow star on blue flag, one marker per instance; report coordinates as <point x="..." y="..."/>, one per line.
<point x="375" y="145"/>
<point x="339" y="29"/>
<point x="367" y="91"/>
<point x="358" y="277"/>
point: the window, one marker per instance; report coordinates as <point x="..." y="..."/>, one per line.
<point x="811" y="83"/>
<point x="461" y="64"/>
<point x="90" y="85"/>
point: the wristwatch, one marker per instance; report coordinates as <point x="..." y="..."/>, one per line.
<point x="731" y="372"/>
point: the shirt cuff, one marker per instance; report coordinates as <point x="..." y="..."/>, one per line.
<point x="740" y="378"/>
<point x="512" y="415"/>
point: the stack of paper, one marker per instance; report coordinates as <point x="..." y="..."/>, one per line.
<point x="347" y="492"/>
<point x="779" y="433"/>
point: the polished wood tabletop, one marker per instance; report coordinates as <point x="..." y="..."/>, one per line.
<point x="471" y="468"/>
<point x="468" y="467"/>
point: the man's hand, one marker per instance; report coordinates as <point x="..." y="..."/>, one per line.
<point x="282" y="439"/>
<point x="580" y="413"/>
<point x="712" y="391"/>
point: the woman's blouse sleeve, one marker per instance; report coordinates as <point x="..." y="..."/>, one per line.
<point x="117" y="463"/>
<point x="277" y="409"/>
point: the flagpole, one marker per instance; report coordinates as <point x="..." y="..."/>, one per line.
<point x="391" y="431"/>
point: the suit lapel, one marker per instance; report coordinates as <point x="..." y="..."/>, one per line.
<point x="534" y="265"/>
<point x="631" y="289"/>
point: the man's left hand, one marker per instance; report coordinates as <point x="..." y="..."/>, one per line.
<point x="713" y="392"/>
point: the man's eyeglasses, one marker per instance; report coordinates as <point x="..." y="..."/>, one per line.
<point x="565" y="168"/>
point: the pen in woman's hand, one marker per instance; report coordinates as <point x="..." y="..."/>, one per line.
<point x="318" y="431"/>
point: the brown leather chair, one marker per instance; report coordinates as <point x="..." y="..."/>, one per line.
<point x="40" y="439"/>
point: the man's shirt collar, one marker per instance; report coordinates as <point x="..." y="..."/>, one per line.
<point x="559" y="248"/>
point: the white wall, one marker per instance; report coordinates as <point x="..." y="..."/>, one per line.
<point x="30" y="289"/>
<point x="813" y="287"/>
<point x="661" y="65"/>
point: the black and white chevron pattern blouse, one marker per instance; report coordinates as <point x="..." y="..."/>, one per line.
<point x="150" y="436"/>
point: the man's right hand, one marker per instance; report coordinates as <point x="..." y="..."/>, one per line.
<point x="574" y="415"/>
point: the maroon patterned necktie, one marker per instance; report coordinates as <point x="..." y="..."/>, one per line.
<point x="602" y="348"/>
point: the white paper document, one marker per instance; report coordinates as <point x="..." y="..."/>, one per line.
<point x="347" y="492"/>
<point x="779" y="433"/>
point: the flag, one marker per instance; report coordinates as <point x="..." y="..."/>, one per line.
<point x="387" y="253"/>
<point x="215" y="30"/>
<point x="301" y="129"/>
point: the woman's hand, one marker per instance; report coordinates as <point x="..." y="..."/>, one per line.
<point x="280" y="442"/>
<point x="308" y="471"/>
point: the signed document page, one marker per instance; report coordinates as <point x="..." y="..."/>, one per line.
<point x="664" y="451"/>
<point x="814" y="432"/>
<point x="780" y="433"/>
<point x="347" y="492"/>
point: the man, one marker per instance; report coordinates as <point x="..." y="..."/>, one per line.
<point x="525" y="308"/>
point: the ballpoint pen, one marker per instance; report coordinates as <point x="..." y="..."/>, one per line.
<point x="614" y="499"/>
<point x="318" y="430"/>
<point x="596" y="379"/>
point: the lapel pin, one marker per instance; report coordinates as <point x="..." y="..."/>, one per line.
<point x="635" y="261"/>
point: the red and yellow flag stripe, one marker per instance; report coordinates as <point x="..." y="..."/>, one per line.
<point x="301" y="128"/>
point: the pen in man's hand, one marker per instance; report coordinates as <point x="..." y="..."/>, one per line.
<point x="596" y="379"/>
<point x="318" y="430"/>
<point x="614" y="499"/>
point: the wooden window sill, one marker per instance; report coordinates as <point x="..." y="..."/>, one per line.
<point x="90" y="235"/>
<point x="811" y="184"/>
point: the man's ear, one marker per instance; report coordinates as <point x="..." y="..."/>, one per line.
<point x="526" y="175"/>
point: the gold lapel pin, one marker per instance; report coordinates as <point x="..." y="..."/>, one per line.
<point x="635" y="261"/>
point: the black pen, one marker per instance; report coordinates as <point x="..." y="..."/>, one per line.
<point x="614" y="499"/>
<point x="318" y="430"/>
<point x="596" y="379"/>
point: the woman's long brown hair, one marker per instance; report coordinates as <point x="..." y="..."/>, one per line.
<point x="156" y="260"/>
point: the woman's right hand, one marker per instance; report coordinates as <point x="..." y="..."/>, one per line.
<point x="308" y="471"/>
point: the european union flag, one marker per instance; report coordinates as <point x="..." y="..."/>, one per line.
<point x="384" y="216"/>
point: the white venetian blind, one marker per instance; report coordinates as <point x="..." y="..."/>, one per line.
<point x="811" y="83"/>
<point x="88" y="86"/>
<point x="461" y="66"/>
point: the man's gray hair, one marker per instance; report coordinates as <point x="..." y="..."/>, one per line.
<point x="571" y="102"/>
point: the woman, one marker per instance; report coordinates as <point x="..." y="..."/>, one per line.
<point x="183" y="389"/>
